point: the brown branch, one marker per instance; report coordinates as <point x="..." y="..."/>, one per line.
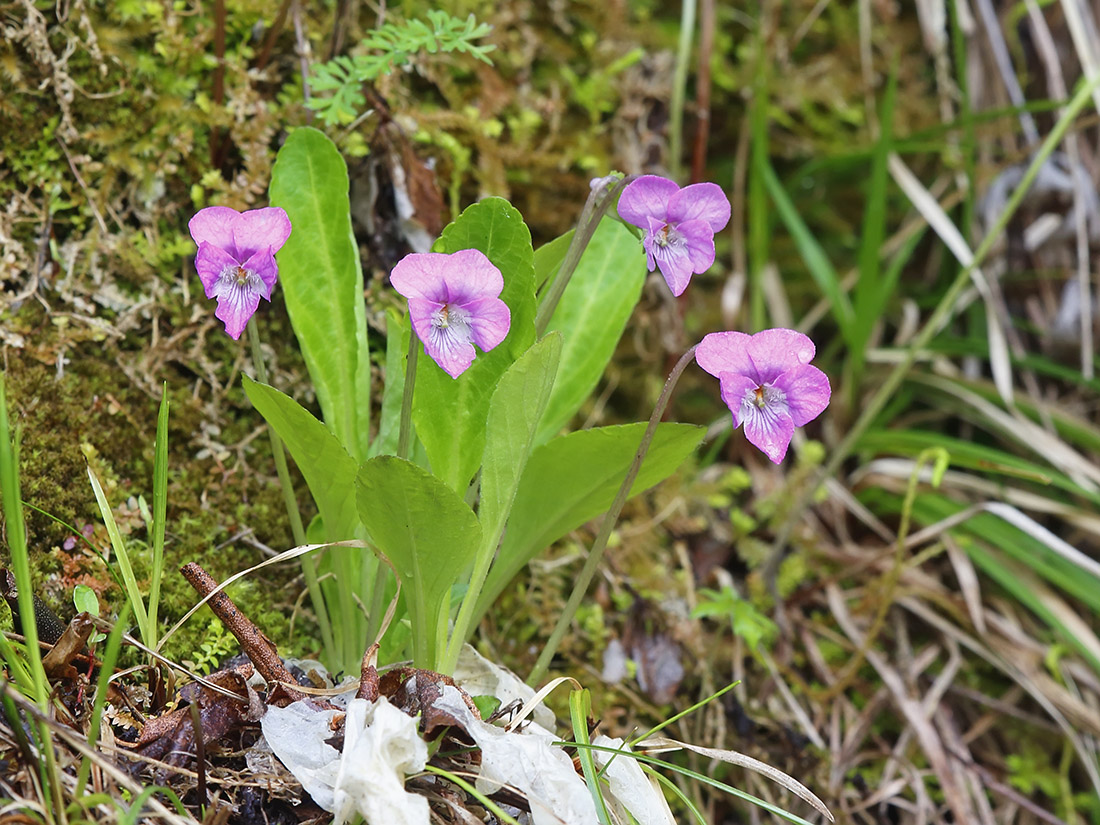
<point x="256" y="646"/>
<point x="272" y="35"/>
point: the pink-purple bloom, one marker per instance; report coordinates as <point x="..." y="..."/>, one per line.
<point x="236" y="260"/>
<point x="454" y="303"/>
<point x="679" y="225"/>
<point x="767" y="382"/>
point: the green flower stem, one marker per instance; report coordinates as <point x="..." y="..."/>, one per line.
<point x="610" y="517"/>
<point x="404" y="433"/>
<point x="599" y="201"/>
<point x="309" y="567"/>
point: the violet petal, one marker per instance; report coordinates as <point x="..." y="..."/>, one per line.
<point x="699" y="242"/>
<point x="214" y="225"/>
<point x="700" y="202"/>
<point x="769" y="428"/>
<point x="722" y="352"/>
<point x="646" y="197"/>
<point x="262" y="264"/>
<point x="808" y="393"/>
<point x="775" y="351"/>
<point x="210" y="262"/>
<point x="236" y="304"/>
<point x="490" y="319"/>
<point x="258" y="229"/>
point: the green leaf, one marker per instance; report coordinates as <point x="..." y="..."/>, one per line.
<point x="323" y="283"/>
<point x="85" y="600"/>
<point x="429" y="535"/>
<point x="549" y="256"/>
<point x="573" y="479"/>
<point x="514" y="413"/>
<point x="450" y="412"/>
<point x="389" y="420"/>
<point x="325" y="464"/>
<point x="591" y="316"/>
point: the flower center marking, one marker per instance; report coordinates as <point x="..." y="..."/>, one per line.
<point x="451" y="326"/>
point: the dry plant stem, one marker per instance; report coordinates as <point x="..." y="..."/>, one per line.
<point x="939" y="318"/>
<point x="273" y="35"/>
<point x="609" y="519"/>
<point x="200" y="755"/>
<point x="599" y="201"/>
<point x="702" y="91"/>
<point x="309" y="567"/>
<point x="256" y="646"/>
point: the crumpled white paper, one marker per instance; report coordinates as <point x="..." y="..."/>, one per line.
<point x="479" y="677"/>
<point x="297" y="734"/>
<point x="381" y="746"/>
<point x="630" y="787"/>
<point x="527" y="761"/>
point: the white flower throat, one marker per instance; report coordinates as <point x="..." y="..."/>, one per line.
<point x="238" y="276"/>
<point x="451" y="326"/>
<point x="667" y="236"/>
<point x="765" y="397"/>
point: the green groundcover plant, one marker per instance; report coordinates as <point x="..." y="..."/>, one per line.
<point x="471" y="469"/>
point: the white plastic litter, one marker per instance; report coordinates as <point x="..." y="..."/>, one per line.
<point x="528" y="762"/>
<point x="297" y="734"/>
<point x="630" y="787"/>
<point x="479" y="677"/>
<point x="381" y="746"/>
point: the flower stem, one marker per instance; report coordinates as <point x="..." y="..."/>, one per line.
<point x="404" y="432"/>
<point x="609" y="519"/>
<point x="599" y="201"/>
<point x="309" y="567"/>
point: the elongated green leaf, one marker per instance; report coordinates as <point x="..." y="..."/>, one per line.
<point x="971" y="455"/>
<point x="450" y="412"/>
<point x="325" y="464"/>
<point x="430" y="536"/>
<point x="817" y="262"/>
<point x="160" y="506"/>
<point x="389" y="420"/>
<point x="323" y="283"/>
<point x="122" y="556"/>
<point x="517" y="405"/>
<point x="514" y="413"/>
<point x="573" y="479"/>
<point x="549" y="256"/>
<point x="869" y="296"/>
<point x="591" y="316"/>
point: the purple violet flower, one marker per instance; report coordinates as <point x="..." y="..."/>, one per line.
<point x="236" y="260"/>
<point x="679" y="225"/>
<point x="767" y="382"/>
<point x="454" y="303"/>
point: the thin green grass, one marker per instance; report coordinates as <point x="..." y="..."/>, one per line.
<point x="26" y="664"/>
<point x="145" y="614"/>
<point x="580" y="706"/>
